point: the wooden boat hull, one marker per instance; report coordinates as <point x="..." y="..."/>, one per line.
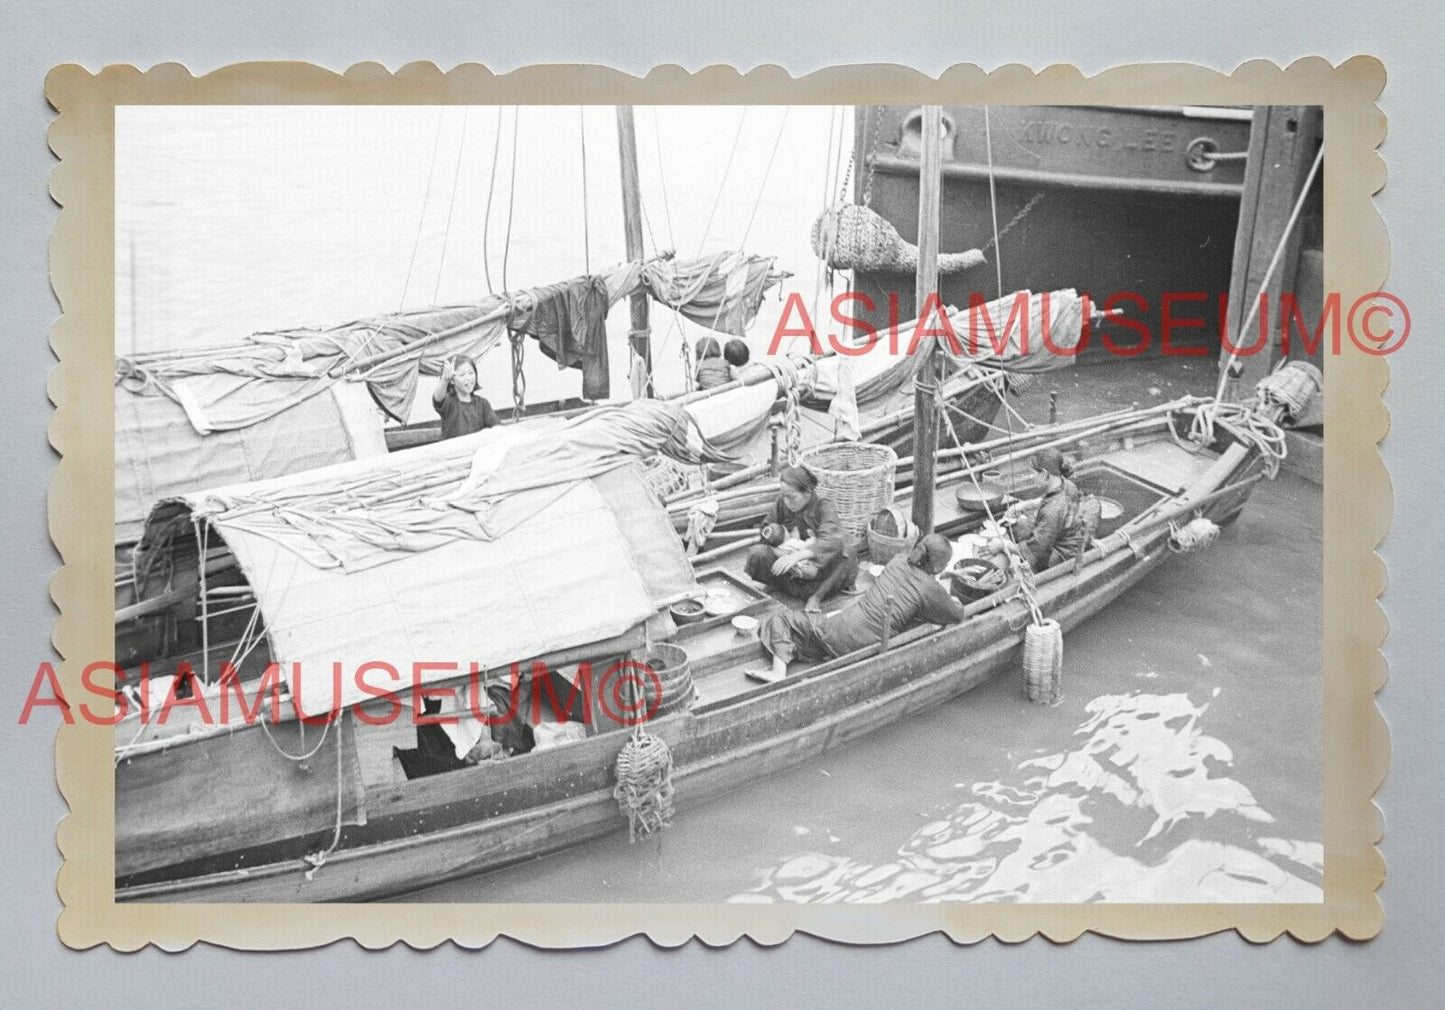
<point x="716" y="748"/>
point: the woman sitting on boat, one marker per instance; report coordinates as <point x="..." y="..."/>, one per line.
<point x="462" y="409"/>
<point x="906" y="593"/>
<point x="1042" y="529"/>
<point x="805" y="551"/>
<point x="712" y="367"/>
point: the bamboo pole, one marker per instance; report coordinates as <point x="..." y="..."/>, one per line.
<point x="925" y="383"/>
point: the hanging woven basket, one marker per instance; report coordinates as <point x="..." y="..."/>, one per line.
<point x="849" y="236"/>
<point x="1044" y="662"/>
<point x="857" y="477"/>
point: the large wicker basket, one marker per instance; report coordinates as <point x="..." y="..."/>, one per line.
<point x="857" y="477"/>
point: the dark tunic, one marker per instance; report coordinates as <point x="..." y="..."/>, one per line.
<point x="713" y="372"/>
<point x="833" y="554"/>
<point x="917" y="598"/>
<point x="1051" y="521"/>
<point x="465" y="418"/>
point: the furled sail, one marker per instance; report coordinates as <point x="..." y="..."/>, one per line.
<point x="286" y="401"/>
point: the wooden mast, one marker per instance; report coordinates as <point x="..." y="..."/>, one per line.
<point x="639" y="334"/>
<point x="926" y="381"/>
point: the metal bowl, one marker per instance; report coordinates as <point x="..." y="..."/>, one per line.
<point x="980" y="497"/>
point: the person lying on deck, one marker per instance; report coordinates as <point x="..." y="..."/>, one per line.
<point x="1043" y="529"/>
<point x="804" y="550"/>
<point x="905" y="595"/>
<point x="712" y="367"/>
<point x="462" y="409"/>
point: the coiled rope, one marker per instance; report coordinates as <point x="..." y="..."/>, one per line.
<point x="1268" y="436"/>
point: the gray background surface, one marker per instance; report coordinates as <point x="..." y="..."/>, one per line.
<point x="1403" y="967"/>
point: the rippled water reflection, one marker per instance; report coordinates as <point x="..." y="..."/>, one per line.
<point x="1145" y="765"/>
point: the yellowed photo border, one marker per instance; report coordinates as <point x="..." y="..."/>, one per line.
<point x="1357" y="500"/>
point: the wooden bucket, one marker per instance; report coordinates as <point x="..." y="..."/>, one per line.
<point x="670" y="665"/>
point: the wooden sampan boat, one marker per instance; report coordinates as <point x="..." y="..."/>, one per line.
<point x="242" y="843"/>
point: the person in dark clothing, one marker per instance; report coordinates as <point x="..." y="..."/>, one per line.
<point x="736" y="354"/>
<point x="816" y="559"/>
<point x="463" y="411"/>
<point x="434" y="752"/>
<point x="712" y="368"/>
<point x="1042" y="529"/>
<point x="906" y="594"/>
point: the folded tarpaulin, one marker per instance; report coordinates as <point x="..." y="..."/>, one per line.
<point x="364" y="514"/>
<point x="1027" y="331"/>
<point x="722" y="291"/>
<point x="158" y="455"/>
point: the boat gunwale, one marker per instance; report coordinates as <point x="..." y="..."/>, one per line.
<point x="1102" y="571"/>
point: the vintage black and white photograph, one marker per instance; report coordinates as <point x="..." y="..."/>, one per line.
<point x="725" y="504"/>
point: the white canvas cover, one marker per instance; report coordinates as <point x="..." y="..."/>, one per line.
<point x="494" y="548"/>
<point x="158" y="454"/>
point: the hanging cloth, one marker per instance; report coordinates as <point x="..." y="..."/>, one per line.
<point x="569" y="320"/>
<point x="844" y="408"/>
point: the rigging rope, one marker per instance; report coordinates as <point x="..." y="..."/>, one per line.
<point x="421" y="220"/>
<point x="511" y="200"/>
<point x="1202" y="428"/>
<point x="722" y="184"/>
<point x="519" y="377"/>
<point x="993" y="200"/>
<point x="767" y="171"/>
<point x="586" y="238"/>
<point x="451" y="206"/>
<point x="662" y="179"/>
<point x="491" y="187"/>
<point x="316" y="860"/>
<point x="1269" y="272"/>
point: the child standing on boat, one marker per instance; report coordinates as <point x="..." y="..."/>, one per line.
<point x="462" y="409"/>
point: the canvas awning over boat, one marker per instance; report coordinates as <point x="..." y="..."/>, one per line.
<point x="498" y="547"/>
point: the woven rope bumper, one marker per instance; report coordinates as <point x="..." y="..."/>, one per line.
<point x="857" y="477"/>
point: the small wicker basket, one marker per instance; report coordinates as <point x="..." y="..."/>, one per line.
<point x="884" y="547"/>
<point x="857" y="477"/>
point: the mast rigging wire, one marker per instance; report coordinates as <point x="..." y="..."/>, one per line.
<point x="421" y="220"/>
<point x="451" y="206"/>
<point x="723" y="182"/>
<point x="511" y="199"/>
<point x="491" y="186"/>
<point x="586" y="237"/>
